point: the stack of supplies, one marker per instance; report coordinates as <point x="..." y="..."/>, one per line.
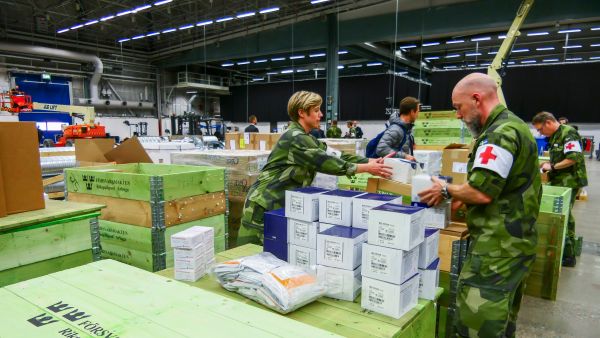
<point x="194" y="252"/>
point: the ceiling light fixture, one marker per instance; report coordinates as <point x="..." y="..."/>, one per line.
<point x="522" y="50"/>
<point x="277" y="59"/>
<point x="483" y="38"/>
<point x="296" y="57"/>
<point x="152" y="34"/>
<point x="124" y="40"/>
<point x="451" y="56"/>
<point x="576" y="30"/>
<point x="260" y="61"/>
<point x="287" y="71"/>
<point x="224" y="19"/>
<point x="537" y="34"/>
<point x="511" y="62"/>
<point x="454" y="41"/>
<point x="138" y="37"/>
<point x="257" y="79"/>
<point x="76" y="27"/>
<point x="492" y="52"/>
<point x="241" y="63"/>
<point x="550" y="60"/>
<point x="268" y="10"/>
<point x="594" y="57"/>
<point x="432" y="58"/>
<point x="316" y="55"/>
<point x="340" y="67"/>
<point x="408" y="46"/>
<point x="141" y="8"/>
<point x="573" y="59"/>
<point x="314" y="2"/>
<point x="355" y="66"/>
<point x="185" y="27"/>
<point x="528" y="61"/>
<point x="204" y="23"/>
<point x="502" y="36"/>
<point x="63" y="30"/>
<point x="272" y="73"/>
<point x="572" y="47"/>
<point x="428" y="44"/>
<point x="370" y="44"/>
<point x="595" y="45"/>
<point x="341" y="52"/>
<point x="245" y="15"/>
<point x="472" y="54"/>
<point x="229" y="64"/>
<point x="301" y="70"/>
<point x="373" y="64"/>
<point x="124" y="13"/>
<point x="106" y="18"/>
<point x="449" y="67"/>
<point x="90" y="23"/>
<point x="170" y="30"/>
<point x="158" y="3"/>
<point x="485" y="64"/>
<point x="544" y="48"/>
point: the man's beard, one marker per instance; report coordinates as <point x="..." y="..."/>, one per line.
<point x="475" y="126"/>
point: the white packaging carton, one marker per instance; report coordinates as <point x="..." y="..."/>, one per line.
<point x="402" y="170"/>
<point x="303" y="203"/>
<point x="435" y="217"/>
<point x="419" y="183"/>
<point x="204" y="250"/>
<point x="340" y="283"/>
<point x="302" y="233"/>
<point x="390" y="299"/>
<point x="191" y="263"/>
<point x="335" y="206"/>
<point x="432" y="160"/>
<point x="325" y="181"/>
<point x="429" y="280"/>
<point x="340" y="247"/>
<point x="192" y="237"/>
<point x="362" y="204"/>
<point x="428" y="250"/>
<point x="396" y="226"/>
<point x="190" y="275"/>
<point x="389" y="265"/>
<point x="303" y="257"/>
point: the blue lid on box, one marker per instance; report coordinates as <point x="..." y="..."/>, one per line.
<point x="276" y="212"/>
<point x="343" y="193"/>
<point x="378" y="197"/>
<point x="430" y="231"/>
<point x="342" y="231"/>
<point x="433" y="265"/>
<point x="403" y="209"/>
<point x="310" y="190"/>
<point x="448" y="179"/>
<point x="419" y="204"/>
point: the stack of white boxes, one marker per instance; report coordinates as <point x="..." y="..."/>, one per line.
<point x="402" y="170"/>
<point x="429" y="270"/>
<point x="194" y="252"/>
<point x="339" y="245"/>
<point x="302" y="212"/>
<point x="390" y="260"/>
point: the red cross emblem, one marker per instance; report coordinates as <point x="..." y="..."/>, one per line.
<point x="487" y="155"/>
<point x="570" y="146"/>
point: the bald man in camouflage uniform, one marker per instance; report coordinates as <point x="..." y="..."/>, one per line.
<point x="565" y="169"/>
<point x="502" y="194"/>
<point x="293" y="163"/>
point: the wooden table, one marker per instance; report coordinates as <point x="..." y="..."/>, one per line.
<point x="336" y="316"/>
<point x="39" y="242"/>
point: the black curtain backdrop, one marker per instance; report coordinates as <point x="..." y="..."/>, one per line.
<point x="564" y="90"/>
<point x="361" y="98"/>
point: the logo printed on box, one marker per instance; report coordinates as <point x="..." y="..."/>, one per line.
<point x="334" y="251"/>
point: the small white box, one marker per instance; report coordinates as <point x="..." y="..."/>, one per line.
<point x="335" y="207"/>
<point x="340" y="247"/>
<point x="435" y="217"/>
<point x="200" y="250"/>
<point x="340" y="283"/>
<point x="390" y="299"/>
<point x="303" y="257"/>
<point x="302" y="233"/>
<point x="428" y="250"/>
<point x="303" y="203"/>
<point x="429" y="280"/>
<point x="402" y="170"/>
<point x="420" y="183"/>
<point x="192" y="237"/>
<point x="432" y="160"/>
<point x="362" y="204"/>
<point x="396" y="226"/>
<point x="195" y="263"/>
<point x="325" y="181"/>
<point x="389" y="265"/>
<point x="190" y="275"/>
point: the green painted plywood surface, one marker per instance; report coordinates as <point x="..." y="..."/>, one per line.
<point x="129" y="302"/>
<point x="555" y="200"/>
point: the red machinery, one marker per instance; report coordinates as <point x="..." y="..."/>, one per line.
<point x="70" y="133"/>
<point x="15" y="102"/>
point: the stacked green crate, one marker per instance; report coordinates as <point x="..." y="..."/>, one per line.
<point x="440" y="128"/>
<point x="551" y="226"/>
<point x="146" y="203"/>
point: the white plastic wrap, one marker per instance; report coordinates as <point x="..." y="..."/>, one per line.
<point x="269" y="281"/>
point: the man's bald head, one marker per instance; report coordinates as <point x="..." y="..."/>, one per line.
<point x="477" y="83"/>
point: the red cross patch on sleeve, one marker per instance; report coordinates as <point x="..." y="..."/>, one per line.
<point x="494" y="158"/>
<point x="572" y="146"/>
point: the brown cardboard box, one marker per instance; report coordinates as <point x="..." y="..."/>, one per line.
<point x="232" y="140"/>
<point x="98" y="151"/>
<point x="20" y="171"/>
<point x="453" y="232"/>
<point x="263" y="141"/>
<point x="428" y="147"/>
<point x="454" y="162"/>
<point x="384" y="186"/>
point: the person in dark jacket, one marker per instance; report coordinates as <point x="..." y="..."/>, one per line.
<point x="317" y="133"/>
<point x="398" y="137"/>
<point x="252" y="127"/>
<point x="359" y="132"/>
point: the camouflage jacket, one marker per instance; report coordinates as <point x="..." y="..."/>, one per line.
<point x="566" y="143"/>
<point x="504" y="166"/>
<point x="334" y="132"/>
<point x="293" y="163"/>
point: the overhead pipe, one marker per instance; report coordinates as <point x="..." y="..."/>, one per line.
<point x="62" y="54"/>
<point x="116" y="104"/>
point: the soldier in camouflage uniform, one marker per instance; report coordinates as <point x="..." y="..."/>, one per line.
<point x="293" y="163"/>
<point x="565" y="169"/>
<point x="502" y="194"/>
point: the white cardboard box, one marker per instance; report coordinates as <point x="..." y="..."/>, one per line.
<point x="303" y="203"/>
<point x="194" y="263"/>
<point x="190" y="275"/>
<point x="335" y="206"/>
<point x="419" y="183"/>
<point x="396" y="226"/>
<point x="389" y="265"/>
<point x="429" y="280"/>
<point x="325" y="181"/>
<point x="428" y="250"/>
<point x="192" y="237"/>
<point x="390" y="299"/>
<point x="302" y="233"/>
<point x="362" y="204"/>
<point x="402" y="170"/>
<point x="340" y="283"/>
<point x="340" y="247"/>
<point x="201" y="250"/>
<point x="302" y="257"/>
<point x="435" y="217"/>
<point x="432" y="160"/>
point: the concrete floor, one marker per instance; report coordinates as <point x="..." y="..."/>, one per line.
<point x="576" y="311"/>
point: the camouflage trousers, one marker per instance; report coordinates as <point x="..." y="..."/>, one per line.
<point x="489" y="295"/>
<point x="252" y="224"/>
<point x="570" y="239"/>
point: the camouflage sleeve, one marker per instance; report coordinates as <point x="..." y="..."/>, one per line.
<point x="354" y="158"/>
<point x="493" y="161"/>
<point x="572" y="146"/>
<point x="309" y="152"/>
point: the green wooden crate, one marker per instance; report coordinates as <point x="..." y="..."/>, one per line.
<point x="556" y="200"/>
<point x="150" y="248"/>
<point x="111" y="299"/>
<point x="145" y="182"/>
<point x="439" y="132"/>
<point x="441" y="114"/>
<point x="439" y="141"/>
<point x="439" y="123"/>
<point x="356" y="182"/>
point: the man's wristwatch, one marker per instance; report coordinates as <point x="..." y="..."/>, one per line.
<point x="445" y="193"/>
<point x="551" y="166"/>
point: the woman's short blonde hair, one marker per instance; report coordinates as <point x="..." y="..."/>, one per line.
<point x="302" y="100"/>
